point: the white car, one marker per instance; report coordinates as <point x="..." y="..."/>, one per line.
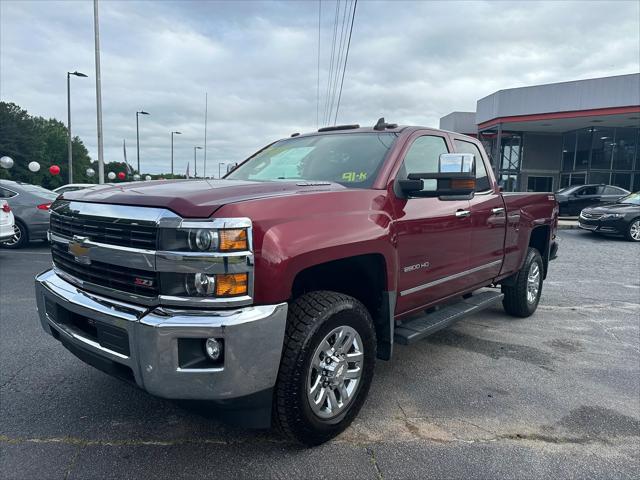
<point x="6" y="221"/>
<point x="70" y="187"/>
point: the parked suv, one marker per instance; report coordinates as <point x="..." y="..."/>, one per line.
<point x="275" y="289"/>
<point x="576" y="197"/>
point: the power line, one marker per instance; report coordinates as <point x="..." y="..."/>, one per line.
<point x="318" y="83"/>
<point x="341" y="48"/>
<point x="346" y="57"/>
<point x="326" y="116"/>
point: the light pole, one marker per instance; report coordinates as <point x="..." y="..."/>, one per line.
<point x="77" y="74"/>
<point x="141" y="112"/>
<point x="195" y="165"/>
<point x="219" y="165"/>
<point x="96" y="31"/>
<point x="177" y="133"/>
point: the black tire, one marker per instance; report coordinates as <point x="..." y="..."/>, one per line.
<point x="22" y="235"/>
<point x="311" y="317"/>
<point x="515" y="301"/>
<point x="628" y="234"/>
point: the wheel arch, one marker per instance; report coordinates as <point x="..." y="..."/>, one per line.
<point x="540" y="239"/>
<point x="363" y="277"/>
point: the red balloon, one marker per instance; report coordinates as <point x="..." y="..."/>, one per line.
<point x="121" y="175"/>
<point x="54" y="169"/>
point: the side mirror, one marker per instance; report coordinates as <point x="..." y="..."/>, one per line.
<point x="455" y="180"/>
<point x="231" y="167"/>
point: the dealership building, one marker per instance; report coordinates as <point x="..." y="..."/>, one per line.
<point x="545" y="137"/>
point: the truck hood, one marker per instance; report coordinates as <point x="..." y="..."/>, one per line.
<point x="193" y="198"/>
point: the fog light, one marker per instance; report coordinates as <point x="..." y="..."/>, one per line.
<point x="213" y="348"/>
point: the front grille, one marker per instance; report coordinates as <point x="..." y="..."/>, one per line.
<point x="591" y="216"/>
<point x="105" y="230"/>
<point x="140" y="282"/>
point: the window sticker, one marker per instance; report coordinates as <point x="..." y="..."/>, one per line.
<point x="354" y="176"/>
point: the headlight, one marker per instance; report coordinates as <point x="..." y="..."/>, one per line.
<point x="205" y="240"/>
<point x="611" y="216"/>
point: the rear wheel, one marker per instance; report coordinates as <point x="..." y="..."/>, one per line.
<point x="20" y="236"/>
<point x="521" y="299"/>
<point x="326" y="367"/>
<point x="633" y="232"/>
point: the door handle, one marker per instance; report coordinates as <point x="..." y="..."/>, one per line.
<point x="497" y="211"/>
<point x="462" y="213"/>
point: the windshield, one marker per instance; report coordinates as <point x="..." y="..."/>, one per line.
<point x="633" y="199"/>
<point x="566" y="190"/>
<point x="350" y="159"/>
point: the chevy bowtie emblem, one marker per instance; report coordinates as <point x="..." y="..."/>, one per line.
<point x="79" y="251"/>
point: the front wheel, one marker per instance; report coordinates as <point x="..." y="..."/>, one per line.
<point x="633" y="232"/>
<point x="521" y="299"/>
<point x="326" y="368"/>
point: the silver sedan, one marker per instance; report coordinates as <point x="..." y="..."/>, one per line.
<point x="30" y="206"/>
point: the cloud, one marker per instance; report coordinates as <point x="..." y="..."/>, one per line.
<point x="412" y="62"/>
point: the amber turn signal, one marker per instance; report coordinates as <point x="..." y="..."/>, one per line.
<point x="233" y="240"/>
<point x="232" y="285"/>
<point x="463" y="184"/>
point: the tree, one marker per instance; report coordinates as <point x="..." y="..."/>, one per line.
<point x="26" y="139"/>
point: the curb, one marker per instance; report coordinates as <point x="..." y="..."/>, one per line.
<point x="568" y="226"/>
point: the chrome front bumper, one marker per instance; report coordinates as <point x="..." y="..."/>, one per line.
<point x="252" y="336"/>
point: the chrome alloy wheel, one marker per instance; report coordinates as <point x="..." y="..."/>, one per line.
<point x="634" y="230"/>
<point x="17" y="235"/>
<point x="533" y="283"/>
<point x="335" y="371"/>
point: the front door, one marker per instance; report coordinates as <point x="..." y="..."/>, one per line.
<point x="432" y="234"/>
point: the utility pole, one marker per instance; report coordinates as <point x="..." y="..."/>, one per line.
<point x="141" y="112"/>
<point x="206" y="105"/>
<point x="195" y="164"/>
<point x="96" y="29"/>
<point x="172" y="133"/>
<point x="70" y="149"/>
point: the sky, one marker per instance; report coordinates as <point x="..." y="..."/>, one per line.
<point x="411" y="62"/>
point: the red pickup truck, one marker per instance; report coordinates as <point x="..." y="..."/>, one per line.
<point x="273" y="291"/>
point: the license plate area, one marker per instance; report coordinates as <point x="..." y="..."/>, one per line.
<point x="587" y="226"/>
<point x="108" y="336"/>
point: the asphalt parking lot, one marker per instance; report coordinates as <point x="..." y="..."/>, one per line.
<point x="555" y="395"/>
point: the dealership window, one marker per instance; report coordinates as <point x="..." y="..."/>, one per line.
<point x="600" y="177"/>
<point x="568" y="179"/>
<point x="626" y="143"/>
<point x="540" y="184"/>
<point x="583" y="148"/>
<point x="602" y="143"/>
<point x="568" y="151"/>
<point x="622" y="180"/>
<point x="510" y="161"/>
